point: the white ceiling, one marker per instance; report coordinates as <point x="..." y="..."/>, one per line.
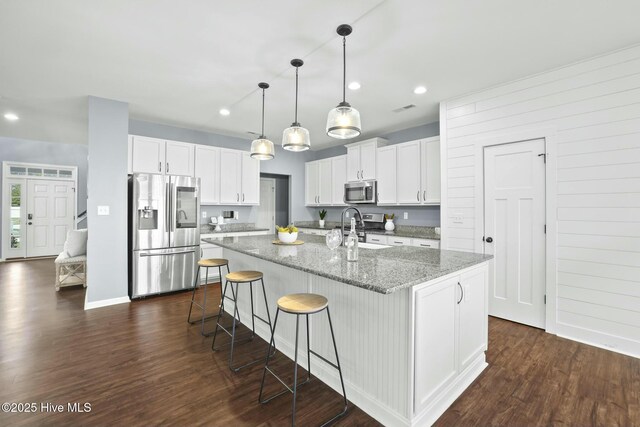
<point x="178" y="63"/>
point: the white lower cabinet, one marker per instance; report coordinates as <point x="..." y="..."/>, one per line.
<point x="377" y="238"/>
<point x="459" y="306"/>
<point x="426" y="243"/>
<point x="313" y="231"/>
<point x="399" y="241"/>
<point x="382" y="239"/>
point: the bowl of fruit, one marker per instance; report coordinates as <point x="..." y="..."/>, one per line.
<point x="287" y="234"/>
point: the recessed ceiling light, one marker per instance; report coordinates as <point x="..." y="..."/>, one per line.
<point x="11" y="117"/>
<point x="354" y="85"/>
<point x="420" y="90"/>
<point x="224" y="112"/>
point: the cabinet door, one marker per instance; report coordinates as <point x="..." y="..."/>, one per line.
<point x="311" y="183"/>
<point x="426" y="243"/>
<point x="386" y="175"/>
<point x="147" y="155"/>
<point x="230" y="177"/>
<point x="473" y="316"/>
<point x="435" y="340"/>
<point x="179" y="158"/>
<point x="409" y="173"/>
<point x="324" y="182"/>
<point x="339" y="171"/>
<point x="430" y="170"/>
<point x="207" y="168"/>
<point x="250" y="180"/>
<point x="368" y="154"/>
<point x="353" y="164"/>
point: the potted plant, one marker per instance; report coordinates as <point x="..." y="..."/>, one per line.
<point x="389" y="225"/>
<point x="287" y="234"/>
<point x="322" y="214"/>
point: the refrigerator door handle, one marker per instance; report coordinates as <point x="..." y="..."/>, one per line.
<point x="146" y="254"/>
<point x="172" y="202"/>
<point x="167" y="206"/>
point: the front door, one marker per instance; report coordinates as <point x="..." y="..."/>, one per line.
<point x="50" y="216"/>
<point x="514" y="230"/>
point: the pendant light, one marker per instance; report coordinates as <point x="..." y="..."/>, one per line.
<point x="343" y="121"/>
<point x="262" y="148"/>
<point x="296" y="138"/>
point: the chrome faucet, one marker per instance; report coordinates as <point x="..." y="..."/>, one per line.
<point x="342" y="221"/>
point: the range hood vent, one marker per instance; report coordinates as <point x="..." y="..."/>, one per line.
<point x="405" y="108"/>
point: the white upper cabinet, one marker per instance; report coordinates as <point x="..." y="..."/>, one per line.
<point x="325" y="189"/>
<point x="179" y="158"/>
<point x="147" y="155"/>
<point x="430" y="171"/>
<point x="207" y="168"/>
<point x="230" y="176"/>
<point x="408" y="174"/>
<point x="339" y="178"/>
<point x="386" y="175"/>
<point x="250" y="194"/>
<point x="361" y="159"/>
<point x="311" y="183"/>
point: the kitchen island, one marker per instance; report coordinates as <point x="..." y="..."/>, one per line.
<point x="410" y="323"/>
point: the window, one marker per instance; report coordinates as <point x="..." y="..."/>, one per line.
<point x="16" y="216"/>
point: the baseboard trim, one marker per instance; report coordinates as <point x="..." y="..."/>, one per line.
<point x="598" y="339"/>
<point x="105" y="302"/>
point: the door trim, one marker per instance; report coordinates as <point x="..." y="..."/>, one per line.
<point x="549" y="136"/>
<point x="6" y="176"/>
<point x="273" y="197"/>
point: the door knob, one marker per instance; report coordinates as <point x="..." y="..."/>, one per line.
<point x="489" y="239"/>
<point x="29" y="223"/>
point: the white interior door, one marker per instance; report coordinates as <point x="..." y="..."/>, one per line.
<point x="49" y="216"/>
<point x="514" y="225"/>
<point x="267" y="208"/>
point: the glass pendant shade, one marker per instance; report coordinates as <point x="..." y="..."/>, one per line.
<point x="262" y="149"/>
<point x="343" y="122"/>
<point x="295" y="138"/>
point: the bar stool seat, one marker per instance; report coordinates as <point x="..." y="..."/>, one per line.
<point x="206" y="264"/>
<point x="213" y="262"/>
<point x="244" y="276"/>
<point x="302" y="303"/>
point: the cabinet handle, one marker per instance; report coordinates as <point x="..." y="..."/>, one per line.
<point x="243" y="197"/>
<point x="418" y="195"/>
<point x="237" y="197"/>
<point x="362" y="173"/>
<point x="425" y="245"/>
<point x="358" y="174"/>
<point x="461" y="293"/>
<point x="424" y="195"/>
<point x="167" y="167"/>
<point x="159" y="166"/>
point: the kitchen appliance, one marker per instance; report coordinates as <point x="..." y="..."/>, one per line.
<point x="371" y="221"/>
<point x="361" y="192"/>
<point x="164" y="233"/>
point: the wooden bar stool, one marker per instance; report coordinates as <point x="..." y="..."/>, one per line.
<point x="239" y="277"/>
<point x="302" y="304"/>
<point x="206" y="263"/>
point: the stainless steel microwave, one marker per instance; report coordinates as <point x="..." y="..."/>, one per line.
<point x="361" y="192"/>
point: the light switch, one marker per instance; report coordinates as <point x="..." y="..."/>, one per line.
<point x="236" y="215"/>
<point x="406" y="215"/>
<point x="103" y="210"/>
<point x="204" y="214"/>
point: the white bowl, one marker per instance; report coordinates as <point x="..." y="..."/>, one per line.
<point x="287" y="237"/>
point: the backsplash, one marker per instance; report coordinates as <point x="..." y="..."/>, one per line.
<point x="423" y="216"/>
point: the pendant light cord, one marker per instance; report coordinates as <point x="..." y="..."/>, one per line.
<point x="344" y="68"/>
<point x="296" y="117"/>
<point x="262" y="113"/>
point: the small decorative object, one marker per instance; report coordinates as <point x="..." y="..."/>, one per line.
<point x="322" y="214"/>
<point x="287" y="234"/>
<point x="389" y="225"/>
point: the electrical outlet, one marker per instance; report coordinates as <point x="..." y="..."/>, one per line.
<point x="236" y="215"/>
<point x="406" y="215"/>
<point x="347" y="214"/>
<point x="204" y="214"/>
<point x="103" y="210"/>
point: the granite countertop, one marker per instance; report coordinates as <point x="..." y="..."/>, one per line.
<point x="379" y="270"/>
<point x="230" y="228"/>
<point x="412" y="231"/>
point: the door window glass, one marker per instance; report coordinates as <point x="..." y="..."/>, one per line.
<point x="186" y="207"/>
<point x="15" y="217"/>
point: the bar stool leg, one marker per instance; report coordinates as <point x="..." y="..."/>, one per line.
<point x="193" y="295"/>
<point x="295" y="374"/>
<point x="272" y="342"/>
<point x="204" y="300"/>
<point x="308" y="352"/>
<point x="344" y="393"/>
<point x="253" y="316"/>
<point x="215" y="333"/>
<point x="233" y="328"/>
<point x="266" y="305"/>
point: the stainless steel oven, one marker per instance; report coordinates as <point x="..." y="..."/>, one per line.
<point x="361" y="192"/>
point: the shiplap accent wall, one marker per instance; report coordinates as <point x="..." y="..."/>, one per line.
<point x="590" y="113"/>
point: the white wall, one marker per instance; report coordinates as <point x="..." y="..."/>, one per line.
<point x="590" y="114"/>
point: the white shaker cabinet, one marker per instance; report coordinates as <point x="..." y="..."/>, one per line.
<point x="207" y="168"/>
<point x="230" y="176"/>
<point x="386" y="170"/>
<point x="250" y="181"/>
<point x="311" y="184"/>
<point x="361" y="159"/>
<point x="430" y="171"/>
<point x="473" y="314"/>
<point x="147" y="155"/>
<point x="409" y="173"/>
<point x="179" y="158"/>
<point x="339" y="178"/>
<point x="325" y="189"/>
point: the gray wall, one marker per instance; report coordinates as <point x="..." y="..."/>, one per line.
<point x="108" y="126"/>
<point x="285" y="163"/>
<point x="418" y="215"/>
<point x="22" y="150"/>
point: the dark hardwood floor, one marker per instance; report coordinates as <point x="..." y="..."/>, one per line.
<point x="142" y="364"/>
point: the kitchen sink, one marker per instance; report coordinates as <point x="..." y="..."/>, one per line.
<point x="372" y="246"/>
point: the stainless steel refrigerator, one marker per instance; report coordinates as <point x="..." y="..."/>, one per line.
<point x="164" y="233"/>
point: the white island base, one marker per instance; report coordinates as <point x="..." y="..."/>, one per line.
<point x="405" y="356"/>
